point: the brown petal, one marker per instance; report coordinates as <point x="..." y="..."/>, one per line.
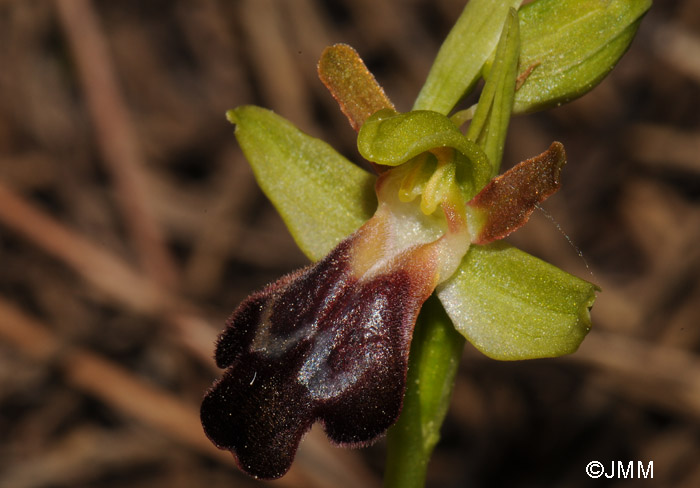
<point x="507" y="202"/>
<point x="352" y="85"/>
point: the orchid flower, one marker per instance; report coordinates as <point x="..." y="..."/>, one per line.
<point x="331" y="342"/>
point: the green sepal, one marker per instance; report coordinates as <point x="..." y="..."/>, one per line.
<point x="390" y="138"/>
<point x="321" y="196"/>
<point x="571" y="45"/>
<point x="511" y="305"/>
<point x="460" y="59"/>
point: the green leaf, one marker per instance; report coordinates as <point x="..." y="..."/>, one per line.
<point x="321" y="196"/>
<point x="461" y="57"/>
<point x="391" y="138"/>
<point x="490" y="124"/>
<point x="511" y="305"/>
<point x="571" y="45"/>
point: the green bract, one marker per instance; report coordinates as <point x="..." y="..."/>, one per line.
<point x="567" y="47"/>
<point x="467" y="47"/>
<point x="572" y="45"/>
<point x="490" y="123"/>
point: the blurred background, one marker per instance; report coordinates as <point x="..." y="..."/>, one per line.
<point x="131" y="226"/>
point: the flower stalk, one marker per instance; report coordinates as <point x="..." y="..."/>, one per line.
<point x="408" y="263"/>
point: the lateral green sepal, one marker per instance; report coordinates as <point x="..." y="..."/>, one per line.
<point x="321" y="196"/>
<point x="511" y="305"/>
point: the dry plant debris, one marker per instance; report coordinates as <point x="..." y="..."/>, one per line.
<point x="130" y="225"/>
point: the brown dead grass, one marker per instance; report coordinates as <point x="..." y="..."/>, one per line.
<point x="130" y="226"/>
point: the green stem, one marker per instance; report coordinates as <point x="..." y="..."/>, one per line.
<point x="433" y="362"/>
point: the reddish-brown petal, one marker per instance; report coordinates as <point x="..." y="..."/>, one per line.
<point x="507" y="202"/>
<point x="352" y="85"/>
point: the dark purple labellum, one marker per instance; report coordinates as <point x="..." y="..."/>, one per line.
<point x="318" y="345"/>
